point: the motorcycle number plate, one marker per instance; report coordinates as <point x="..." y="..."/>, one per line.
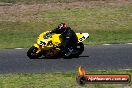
<point x="42" y="43"/>
<point x="82" y="38"/>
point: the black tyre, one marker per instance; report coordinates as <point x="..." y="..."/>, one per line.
<point x="79" y="49"/>
<point x="32" y="53"/>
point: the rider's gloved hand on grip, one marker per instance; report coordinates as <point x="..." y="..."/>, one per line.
<point x="54" y="46"/>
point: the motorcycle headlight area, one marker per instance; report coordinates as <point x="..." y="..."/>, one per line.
<point x="47" y="35"/>
<point x="43" y="43"/>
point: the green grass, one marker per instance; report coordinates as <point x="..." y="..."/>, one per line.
<point x="26" y="39"/>
<point x="104" y="23"/>
<point x="55" y="80"/>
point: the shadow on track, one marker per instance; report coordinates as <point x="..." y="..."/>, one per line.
<point x="83" y="56"/>
<point x="61" y="57"/>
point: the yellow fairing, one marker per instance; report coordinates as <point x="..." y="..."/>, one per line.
<point x="46" y="42"/>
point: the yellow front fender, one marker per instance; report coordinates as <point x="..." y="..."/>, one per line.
<point x="37" y="46"/>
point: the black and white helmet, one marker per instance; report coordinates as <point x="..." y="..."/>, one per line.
<point x="62" y="26"/>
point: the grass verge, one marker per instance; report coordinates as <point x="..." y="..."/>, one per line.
<point x="106" y="23"/>
<point x="56" y="80"/>
<point x="24" y="39"/>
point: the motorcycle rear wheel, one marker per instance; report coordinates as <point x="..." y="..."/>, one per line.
<point x="79" y="49"/>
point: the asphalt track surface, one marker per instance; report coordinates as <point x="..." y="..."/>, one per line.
<point x="96" y="57"/>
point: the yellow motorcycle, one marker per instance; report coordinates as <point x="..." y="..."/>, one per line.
<point x="46" y="42"/>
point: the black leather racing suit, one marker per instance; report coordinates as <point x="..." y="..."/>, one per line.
<point x="69" y="37"/>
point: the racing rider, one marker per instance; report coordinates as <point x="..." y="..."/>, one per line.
<point x="68" y="35"/>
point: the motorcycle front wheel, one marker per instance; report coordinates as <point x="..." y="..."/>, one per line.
<point x="31" y="53"/>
